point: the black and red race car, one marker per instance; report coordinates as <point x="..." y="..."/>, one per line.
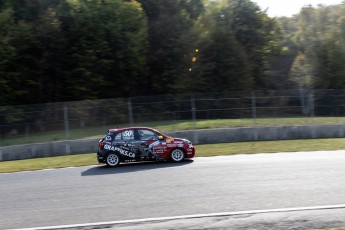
<point x="142" y="144"/>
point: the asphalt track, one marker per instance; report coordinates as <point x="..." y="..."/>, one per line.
<point x="222" y="185"/>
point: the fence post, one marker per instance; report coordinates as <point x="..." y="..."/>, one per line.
<point x="312" y="103"/>
<point x="130" y="111"/>
<point x="254" y="107"/>
<point x="65" y="115"/>
<point x="27" y="132"/>
<point x="302" y="99"/>
<point x="193" y="108"/>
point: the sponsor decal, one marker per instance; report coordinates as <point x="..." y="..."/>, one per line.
<point x="121" y="151"/>
<point x="175" y="145"/>
<point x="159" y="149"/>
<point x="169" y="140"/>
<point x="119" y="142"/>
<point x="178" y="142"/>
<point x="108" y="138"/>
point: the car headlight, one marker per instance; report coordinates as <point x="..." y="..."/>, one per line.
<point x="187" y="142"/>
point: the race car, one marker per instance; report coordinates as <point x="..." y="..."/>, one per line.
<point x="134" y="144"/>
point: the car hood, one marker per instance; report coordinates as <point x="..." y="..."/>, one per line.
<point x="174" y="139"/>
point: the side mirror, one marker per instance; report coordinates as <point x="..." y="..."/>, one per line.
<point x="160" y="138"/>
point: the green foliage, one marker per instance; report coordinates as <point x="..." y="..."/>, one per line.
<point x="330" y="67"/>
<point x="59" y="51"/>
<point x="237" y="41"/>
<point x="107" y="48"/>
<point x="301" y="72"/>
<point x="223" y="64"/>
<point x="62" y="50"/>
<point x="7" y="53"/>
<point x="319" y="34"/>
<point x="171" y="39"/>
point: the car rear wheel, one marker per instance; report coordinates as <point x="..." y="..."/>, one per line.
<point x="112" y="159"/>
<point x="177" y="155"/>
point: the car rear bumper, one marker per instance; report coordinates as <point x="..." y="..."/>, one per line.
<point x="100" y="157"/>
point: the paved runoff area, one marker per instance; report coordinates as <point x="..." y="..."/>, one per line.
<point x="319" y="217"/>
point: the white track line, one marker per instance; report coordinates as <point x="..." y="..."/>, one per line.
<point x="159" y="219"/>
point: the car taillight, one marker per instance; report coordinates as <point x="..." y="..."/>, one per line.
<point x="101" y="145"/>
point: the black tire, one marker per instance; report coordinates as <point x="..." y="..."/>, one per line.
<point x="177" y="155"/>
<point x="112" y="159"/>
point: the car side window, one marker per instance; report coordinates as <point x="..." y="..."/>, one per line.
<point x="109" y="137"/>
<point x="125" y="135"/>
<point x="146" y="135"/>
<point x="128" y="135"/>
<point x="118" y="137"/>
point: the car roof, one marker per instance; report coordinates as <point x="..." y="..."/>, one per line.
<point x="134" y="127"/>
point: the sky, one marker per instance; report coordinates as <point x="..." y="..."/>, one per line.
<point x="279" y="8"/>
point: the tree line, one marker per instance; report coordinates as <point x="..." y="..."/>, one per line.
<point x="67" y="50"/>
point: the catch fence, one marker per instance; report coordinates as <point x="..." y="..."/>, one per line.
<point x="80" y="119"/>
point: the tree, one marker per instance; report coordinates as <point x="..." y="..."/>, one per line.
<point x="7" y="54"/>
<point x="258" y="34"/>
<point x="107" y="42"/>
<point x="319" y="33"/>
<point x="72" y="50"/>
<point x="222" y="64"/>
<point x="302" y="73"/>
<point x="171" y="40"/>
<point x="237" y="42"/>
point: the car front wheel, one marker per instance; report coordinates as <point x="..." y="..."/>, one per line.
<point x="177" y="155"/>
<point x="113" y="159"/>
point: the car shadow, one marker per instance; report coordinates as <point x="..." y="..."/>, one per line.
<point x="132" y="167"/>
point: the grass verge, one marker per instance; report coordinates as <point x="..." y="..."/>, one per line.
<point x="201" y="151"/>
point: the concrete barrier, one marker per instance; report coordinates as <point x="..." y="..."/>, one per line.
<point x="205" y="136"/>
<point x="56" y="148"/>
<point x="211" y="136"/>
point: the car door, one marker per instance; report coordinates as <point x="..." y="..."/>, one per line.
<point x="125" y="140"/>
<point x="153" y="146"/>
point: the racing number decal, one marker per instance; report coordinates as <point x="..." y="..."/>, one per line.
<point x="128" y="133"/>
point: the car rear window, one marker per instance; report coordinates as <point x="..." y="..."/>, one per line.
<point x="109" y="137"/>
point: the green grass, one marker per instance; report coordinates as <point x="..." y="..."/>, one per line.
<point x="170" y="126"/>
<point x="48" y="162"/>
<point x="201" y="151"/>
<point x="342" y="228"/>
<point x="270" y="147"/>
